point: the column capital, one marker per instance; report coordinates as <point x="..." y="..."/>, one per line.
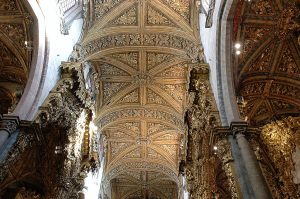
<point x="238" y="127"/>
<point x="9" y="123"/>
<point x="234" y="129"/>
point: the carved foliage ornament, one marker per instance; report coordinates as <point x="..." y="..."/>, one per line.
<point x="267" y="68"/>
<point x="141" y="113"/>
<point x="103" y="7"/>
<point x="129" y="17"/>
<point x="7" y="58"/>
<point x="182" y="7"/>
<point x="201" y="121"/>
<point x="281" y="139"/>
<point x="163" y="40"/>
<point x="223" y="151"/>
<point x="8" y="5"/>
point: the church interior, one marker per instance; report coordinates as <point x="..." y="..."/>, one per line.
<point x="149" y="99"/>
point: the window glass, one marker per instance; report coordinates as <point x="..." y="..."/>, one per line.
<point x="205" y="5"/>
<point x="65" y="5"/>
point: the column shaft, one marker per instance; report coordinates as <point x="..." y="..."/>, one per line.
<point x="241" y="171"/>
<point x="3" y="137"/>
<point x="8" y="125"/>
<point x="259" y="185"/>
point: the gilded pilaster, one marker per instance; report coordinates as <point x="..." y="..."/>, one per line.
<point x="202" y="118"/>
<point x="223" y="151"/>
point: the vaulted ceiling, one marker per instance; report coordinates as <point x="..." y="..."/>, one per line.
<point x="139" y="51"/>
<point x="15" y="58"/>
<point x="267" y="72"/>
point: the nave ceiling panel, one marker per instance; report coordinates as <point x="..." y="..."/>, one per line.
<point x="140" y="52"/>
<point x="142" y="141"/>
<point x="138" y="184"/>
<point x="124" y="80"/>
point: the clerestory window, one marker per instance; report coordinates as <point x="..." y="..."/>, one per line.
<point x="208" y="7"/>
<point x="66" y="5"/>
<point x="69" y="10"/>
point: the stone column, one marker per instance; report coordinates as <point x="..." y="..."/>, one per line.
<point x="240" y="170"/>
<point x="257" y="180"/>
<point x="8" y="125"/>
<point x="232" y="159"/>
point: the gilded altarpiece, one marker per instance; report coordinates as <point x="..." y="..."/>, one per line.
<point x="277" y="149"/>
<point x="51" y="157"/>
<point x="208" y="164"/>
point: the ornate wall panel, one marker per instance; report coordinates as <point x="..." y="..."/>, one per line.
<point x="267" y="72"/>
<point x="139" y="52"/>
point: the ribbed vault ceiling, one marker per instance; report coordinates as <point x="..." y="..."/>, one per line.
<point x="267" y="72"/>
<point x="139" y="52"/>
<point x="15" y="28"/>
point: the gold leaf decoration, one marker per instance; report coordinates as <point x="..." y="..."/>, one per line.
<point x="129" y="17"/>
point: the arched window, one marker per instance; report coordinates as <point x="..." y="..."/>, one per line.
<point x="69" y="10"/>
<point x="208" y="7"/>
<point x="66" y="5"/>
<point x="205" y="5"/>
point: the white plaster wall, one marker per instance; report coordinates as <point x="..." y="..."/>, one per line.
<point x="59" y="48"/>
<point x="92" y="184"/>
<point x="216" y="44"/>
<point x="209" y="41"/>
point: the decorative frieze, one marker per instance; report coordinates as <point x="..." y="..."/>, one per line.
<point x="191" y="48"/>
<point x="140" y="113"/>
